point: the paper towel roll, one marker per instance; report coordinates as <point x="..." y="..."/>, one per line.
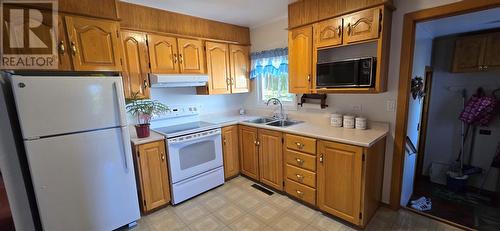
<point x="311" y="106"/>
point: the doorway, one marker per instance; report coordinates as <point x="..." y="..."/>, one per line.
<point x="418" y="143"/>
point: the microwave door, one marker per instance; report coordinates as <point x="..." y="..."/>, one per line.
<point x="337" y="74"/>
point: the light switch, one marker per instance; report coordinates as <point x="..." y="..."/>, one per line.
<point x="391" y="105"/>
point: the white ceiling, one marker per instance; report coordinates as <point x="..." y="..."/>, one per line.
<point x="481" y="20"/>
<point x="249" y="13"/>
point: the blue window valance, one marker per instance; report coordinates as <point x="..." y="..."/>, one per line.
<point x="271" y="62"/>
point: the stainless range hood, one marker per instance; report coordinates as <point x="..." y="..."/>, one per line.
<point x="178" y="80"/>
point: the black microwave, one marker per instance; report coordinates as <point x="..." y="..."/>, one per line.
<point x="355" y="73"/>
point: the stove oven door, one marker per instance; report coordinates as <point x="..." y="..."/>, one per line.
<point x="193" y="154"/>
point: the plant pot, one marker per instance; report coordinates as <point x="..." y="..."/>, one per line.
<point x="142" y="130"/>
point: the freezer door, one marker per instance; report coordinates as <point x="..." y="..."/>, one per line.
<point x="59" y="105"/>
<point x="84" y="181"/>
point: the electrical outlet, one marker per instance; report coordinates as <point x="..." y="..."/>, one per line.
<point x="356" y="108"/>
<point x="391" y="105"/>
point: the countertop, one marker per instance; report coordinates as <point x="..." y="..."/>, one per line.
<point x="364" y="138"/>
<point x="154" y="136"/>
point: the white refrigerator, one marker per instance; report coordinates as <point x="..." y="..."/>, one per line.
<point x="78" y="149"/>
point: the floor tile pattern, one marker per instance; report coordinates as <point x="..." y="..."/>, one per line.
<point x="237" y="206"/>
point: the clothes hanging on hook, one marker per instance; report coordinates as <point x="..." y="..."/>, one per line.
<point x="479" y="109"/>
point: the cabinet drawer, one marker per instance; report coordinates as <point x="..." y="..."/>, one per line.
<point x="301" y="160"/>
<point x="301" y="176"/>
<point x="300" y="143"/>
<point x="301" y="192"/>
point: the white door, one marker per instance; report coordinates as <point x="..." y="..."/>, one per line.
<point x="60" y="105"/>
<point x="194" y="154"/>
<point x="84" y="181"/>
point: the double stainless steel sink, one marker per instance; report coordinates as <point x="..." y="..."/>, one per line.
<point x="273" y="122"/>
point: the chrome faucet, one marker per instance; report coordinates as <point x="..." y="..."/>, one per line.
<point x="275" y="102"/>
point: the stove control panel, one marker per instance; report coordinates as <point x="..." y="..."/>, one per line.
<point x="180" y="111"/>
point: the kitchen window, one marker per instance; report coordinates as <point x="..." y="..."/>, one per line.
<point x="270" y="69"/>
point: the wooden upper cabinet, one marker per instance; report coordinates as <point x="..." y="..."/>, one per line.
<point x="218" y="68"/>
<point x="492" y="54"/>
<point x="362" y="25"/>
<point x="302" y="12"/>
<point x="240" y="68"/>
<point x="94" y="44"/>
<point x="249" y="154"/>
<point x="469" y="53"/>
<point x="230" y="150"/>
<point x="339" y="180"/>
<point x="271" y="158"/>
<point x="63" y="49"/>
<point x="300" y="59"/>
<point x="153" y="175"/>
<point x="328" y="33"/>
<point x="191" y="57"/>
<point x="163" y="54"/>
<point x="135" y="68"/>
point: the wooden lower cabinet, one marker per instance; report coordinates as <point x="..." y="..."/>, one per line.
<point x="271" y="158"/>
<point x="349" y="180"/>
<point x="249" y="153"/>
<point x="152" y="174"/>
<point x="230" y="149"/>
<point x="261" y="155"/>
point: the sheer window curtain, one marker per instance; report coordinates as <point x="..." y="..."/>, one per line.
<point x="270" y="69"/>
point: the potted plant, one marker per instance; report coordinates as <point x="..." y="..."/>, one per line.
<point x="144" y="109"/>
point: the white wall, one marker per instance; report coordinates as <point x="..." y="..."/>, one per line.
<point x="372" y="106"/>
<point x="443" y="132"/>
<point x="209" y="103"/>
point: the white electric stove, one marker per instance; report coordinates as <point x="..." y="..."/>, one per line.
<point x="194" y="152"/>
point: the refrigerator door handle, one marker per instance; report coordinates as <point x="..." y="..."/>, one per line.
<point x="117" y="87"/>
<point x="126" y="148"/>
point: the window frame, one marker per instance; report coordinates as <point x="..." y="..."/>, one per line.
<point x="261" y="103"/>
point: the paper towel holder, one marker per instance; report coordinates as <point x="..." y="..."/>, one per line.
<point x="321" y="97"/>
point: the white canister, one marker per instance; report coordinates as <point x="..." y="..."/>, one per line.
<point x="348" y="121"/>
<point x="360" y="123"/>
<point x="336" y="120"/>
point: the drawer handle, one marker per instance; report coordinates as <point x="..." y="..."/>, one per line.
<point x="321" y="158"/>
<point x="300" y="177"/>
<point x="299" y="161"/>
<point x="299" y="145"/>
<point x="300" y="193"/>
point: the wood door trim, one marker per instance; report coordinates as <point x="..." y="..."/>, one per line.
<point x="422" y="137"/>
<point x="405" y="73"/>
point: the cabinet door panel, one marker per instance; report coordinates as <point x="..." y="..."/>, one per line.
<point x="362" y="25"/>
<point x="218" y="68"/>
<point x="469" y="53"/>
<point x="191" y="57"/>
<point x="339" y="180"/>
<point x="231" y="151"/>
<point x="94" y="44"/>
<point x="154" y="175"/>
<point x="249" y="154"/>
<point x="240" y="66"/>
<point x="163" y="54"/>
<point x="271" y="158"/>
<point x="328" y="33"/>
<point x="135" y="70"/>
<point x="300" y="59"/>
<point x="492" y="55"/>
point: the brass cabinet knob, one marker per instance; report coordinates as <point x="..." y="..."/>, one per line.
<point x="73" y="48"/>
<point x="321" y="158"/>
<point x="299" y="145"/>
<point x="300" y="177"/>
<point x="300" y="193"/>
<point x="62" y="48"/>
<point x="299" y="161"/>
<point x="174" y="57"/>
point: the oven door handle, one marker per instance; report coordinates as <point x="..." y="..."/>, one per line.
<point x="194" y="137"/>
